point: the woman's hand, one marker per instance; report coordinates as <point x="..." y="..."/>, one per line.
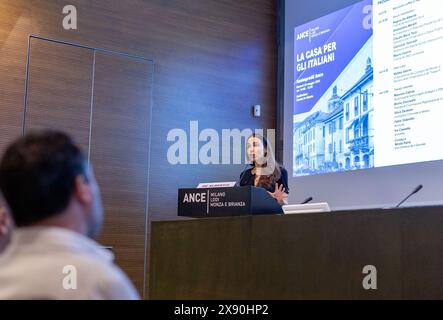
<point x="5" y="228"/>
<point x="4" y="223"/>
<point x="279" y="194"/>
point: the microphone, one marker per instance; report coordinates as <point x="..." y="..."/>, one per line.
<point x="417" y="189"/>
<point x="307" y="200"/>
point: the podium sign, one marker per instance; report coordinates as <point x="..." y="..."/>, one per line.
<point x="222" y="202"/>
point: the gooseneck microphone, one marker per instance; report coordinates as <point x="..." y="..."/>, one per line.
<point x="307" y="200"/>
<point x="417" y="189"/>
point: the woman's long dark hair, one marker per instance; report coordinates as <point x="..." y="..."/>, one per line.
<point x="268" y="180"/>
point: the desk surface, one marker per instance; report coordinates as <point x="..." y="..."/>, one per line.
<point x="308" y="256"/>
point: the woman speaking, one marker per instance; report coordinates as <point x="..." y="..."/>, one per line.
<point x="264" y="171"/>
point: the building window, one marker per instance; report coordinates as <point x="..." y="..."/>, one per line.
<point x="313" y="131"/>
<point x="341" y="147"/>
<point x="365" y="101"/>
<point x="347" y="111"/>
<point x="347" y="134"/>
<point x="332" y="127"/>
<point x="324" y="132"/>
<point x="340" y="123"/>
<point x="356" y="132"/>
<point x="356" y="107"/>
<point x="330" y="148"/>
<point x="365" y="127"/>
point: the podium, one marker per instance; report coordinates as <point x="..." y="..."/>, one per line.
<point x="299" y="256"/>
<point x="225" y="202"/>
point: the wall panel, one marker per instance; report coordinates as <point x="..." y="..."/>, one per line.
<point x="119" y="154"/>
<point x="59" y="89"/>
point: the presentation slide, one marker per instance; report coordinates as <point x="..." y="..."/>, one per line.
<point x="367" y="87"/>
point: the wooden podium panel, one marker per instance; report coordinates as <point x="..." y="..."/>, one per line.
<point x="309" y="256"/>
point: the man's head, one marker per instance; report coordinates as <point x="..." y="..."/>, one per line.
<point x="45" y="179"/>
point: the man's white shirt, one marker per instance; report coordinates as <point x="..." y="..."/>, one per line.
<point x="56" y="263"/>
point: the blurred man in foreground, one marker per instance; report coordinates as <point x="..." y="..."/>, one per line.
<point x="55" y="202"/>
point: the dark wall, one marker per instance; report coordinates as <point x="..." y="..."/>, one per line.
<point x="213" y="61"/>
